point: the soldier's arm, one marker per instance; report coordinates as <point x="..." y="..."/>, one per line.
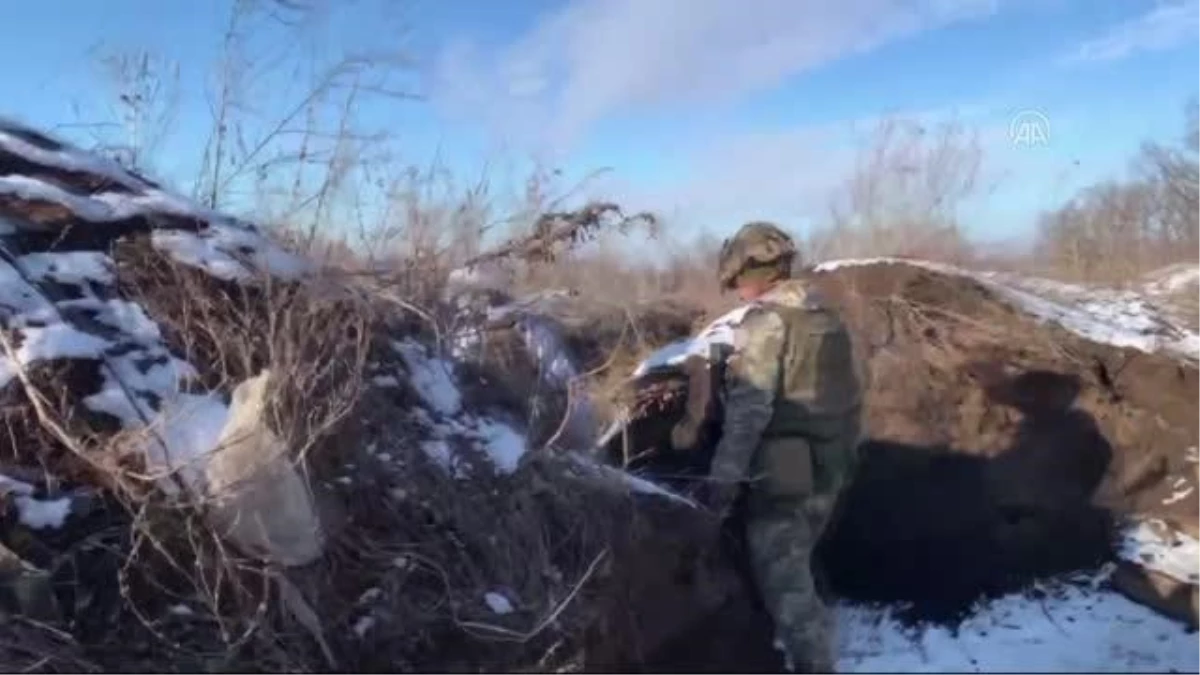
<point x="752" y="379"/>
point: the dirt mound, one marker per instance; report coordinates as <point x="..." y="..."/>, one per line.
<point x="1002" y="449"/>
<point x="955" y="365"/>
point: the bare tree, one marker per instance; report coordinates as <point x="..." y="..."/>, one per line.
<point x="1119" y="229"/>
<point x="904" y="194"/>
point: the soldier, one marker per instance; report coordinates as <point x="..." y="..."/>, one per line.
<point x="792" y="399"/>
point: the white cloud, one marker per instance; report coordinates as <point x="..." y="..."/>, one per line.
<point x="592" y="59"/>
<point x="1165" y="26"/>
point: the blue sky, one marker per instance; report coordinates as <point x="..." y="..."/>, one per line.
<point x="714" y="111"/>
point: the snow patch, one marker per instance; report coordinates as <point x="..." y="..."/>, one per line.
<point x="498" y="603"/>
<point x="364" y="625"/>
<point x="1105" y="316"/>
<point x="40" y="514"/>
<point x="502" y="444"/>
<point x="230" y="252"/>
<point x="1071" y="628"/>
<point x="34" y="513"/>
<point x="543" y="341"/>
<point x="56" y="341"/>
<point x="71" y="267"/>
<point x="1154" y="545"/>
<point x="387" y="381"/>
<point x="433" y="378"/>
<point x="69" y="159"/>
<point x="719" y="332"/>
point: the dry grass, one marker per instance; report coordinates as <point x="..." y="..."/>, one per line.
<point x="412" y="550"/>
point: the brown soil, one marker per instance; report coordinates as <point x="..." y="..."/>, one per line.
<point x="953" y="366"/>
<point x="1000" y="450"/>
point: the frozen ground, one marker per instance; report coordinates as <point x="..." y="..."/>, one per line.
<point x="1058" y="628"/>
<point x="1080" y="626"/>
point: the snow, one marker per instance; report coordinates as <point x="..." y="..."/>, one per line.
<point x="503" y="445"/>
<point x="385" y="381"/>
<point x="1076" y="625"/>
<point x="1155" y="546"/>
<point x="68" y="159"/>
<point x="435" y="382"/>
<point x="555" y="367"/>
<point x="497" y="603"/>
<point x="69" y="267"/>
<point x="719" y="332"/>
<point x="542" y="338"/>
<point x="433" y="378"/>
<point x="141" y="379"/>
<point x="180" y="610"/>
<point x="34" y="513"/>
<point x="498" y="441"/>
<point x="1106" y="316"/>
<point x="363" y="625"/>
<point x="106" y="207"/>
<point x="217" y="250"/>
<point x="1178" y="495"/>
<point x="57" y="341"/>
<point x="40" y="514"/>
<point x="439" y="451"/>
<point x="1073" y="628"/>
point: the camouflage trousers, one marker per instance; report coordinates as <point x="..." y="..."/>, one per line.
<point x="781" y="537"/>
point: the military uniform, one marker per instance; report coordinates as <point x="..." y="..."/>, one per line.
<point x="792" y="399"/>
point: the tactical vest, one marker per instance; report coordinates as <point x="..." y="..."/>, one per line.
<point x="811" y="442"/>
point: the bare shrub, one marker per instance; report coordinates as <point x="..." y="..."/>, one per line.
<point x="314" y="336"/>
<point x="904" y="195"/>
<point x="1118" y="230"/>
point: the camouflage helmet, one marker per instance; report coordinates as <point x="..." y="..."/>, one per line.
<point x="756" y="244"/>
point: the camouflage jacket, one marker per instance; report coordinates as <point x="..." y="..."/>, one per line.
<point x="792" y="397"/>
